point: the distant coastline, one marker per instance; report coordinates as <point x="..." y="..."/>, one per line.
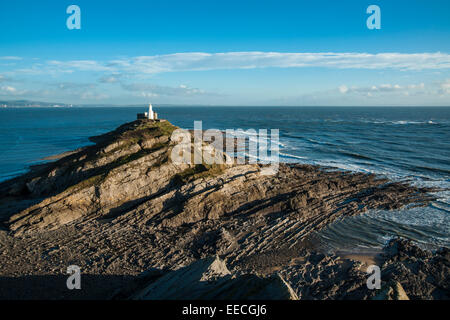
<point x="32" y="104"/>
<point x="42" y="104"/>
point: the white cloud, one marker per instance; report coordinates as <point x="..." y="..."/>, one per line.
<point x="74" y="86"/>
<point x="10" y="58"/>
<point x="200" y="61"/>
<point x="417" y="86"/>
<point x="343" y="89"/>
<point x="93" y="96"/>
<point x="79" y="65"/>
<point x="445" y="86"/>
<point x="110" y="79"/>
<point x="11" y="91"/>
<point x="141" y="68"/>
<point x="8" y="89"/>
<point x="152" y="90"/>
<point x="147" y="94"/>
<point x="432" y="89"/>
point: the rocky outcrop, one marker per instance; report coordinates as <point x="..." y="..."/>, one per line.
<point x="392" y="290"/>
<point x="407" y="272"/>
<point x="210" y="279"/>
<point x="423" y="274"/>
<point x="131" y="166"/>
<point x="121" y="206"/>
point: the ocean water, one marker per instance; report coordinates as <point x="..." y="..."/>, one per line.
<point x="400" y="143"/>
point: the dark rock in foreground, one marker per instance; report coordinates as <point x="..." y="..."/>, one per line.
<point x="405" y="268"/>
<point x="210" y="279"/>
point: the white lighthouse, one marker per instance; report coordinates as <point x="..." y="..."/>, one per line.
<point x="150" y="115"/>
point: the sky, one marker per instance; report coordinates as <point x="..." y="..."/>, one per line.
<point x="216" y="52"/>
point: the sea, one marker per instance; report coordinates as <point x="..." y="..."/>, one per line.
<point x="401" y="143"/>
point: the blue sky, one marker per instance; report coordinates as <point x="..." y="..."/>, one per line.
<point x="226" y="52"/>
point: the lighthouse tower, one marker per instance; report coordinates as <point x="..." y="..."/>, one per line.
<point x="151" y="114"/>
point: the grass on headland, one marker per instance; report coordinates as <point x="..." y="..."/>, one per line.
<point x="146" y="130"/>
<point x="198" y="171"/>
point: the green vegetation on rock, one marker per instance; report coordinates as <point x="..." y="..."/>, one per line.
<point x="198" y="171"/>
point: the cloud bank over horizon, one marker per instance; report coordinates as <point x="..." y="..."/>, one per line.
<point x="202" y="61"/>
<point x="137" y="79"/>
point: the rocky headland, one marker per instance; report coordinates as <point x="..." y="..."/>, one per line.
<point x="143" y="227"/>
